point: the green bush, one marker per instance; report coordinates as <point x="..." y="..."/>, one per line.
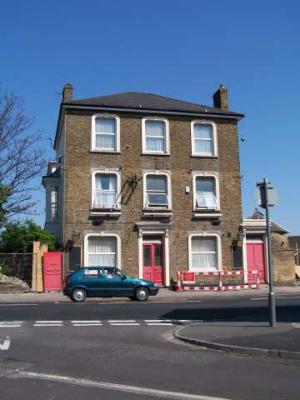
<point x="17" y="237"/>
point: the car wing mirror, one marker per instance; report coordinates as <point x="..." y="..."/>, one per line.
<point x="123" y="277"/>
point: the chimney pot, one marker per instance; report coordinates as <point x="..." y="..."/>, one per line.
<point x="67" y="93"/>
<point x="220" y="98"/>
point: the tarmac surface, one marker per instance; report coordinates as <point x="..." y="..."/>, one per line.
<point x="252" y="338"/>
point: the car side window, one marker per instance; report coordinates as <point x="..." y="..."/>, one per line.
<point x="91" y="273"/>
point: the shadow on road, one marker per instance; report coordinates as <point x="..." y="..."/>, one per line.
<point x="288" y="313"/>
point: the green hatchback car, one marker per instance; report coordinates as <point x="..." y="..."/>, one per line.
<point x="106" y="282"/>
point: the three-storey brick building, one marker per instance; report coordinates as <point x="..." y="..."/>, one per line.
<point x="148" y="183"/>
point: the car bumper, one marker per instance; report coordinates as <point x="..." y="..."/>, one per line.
<point x="67" y="291"/>
<point x="153" y="291"/>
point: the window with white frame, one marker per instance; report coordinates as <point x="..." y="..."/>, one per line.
<point x="53" y="203"/>
<point x="105" y="133"/>
<point x="205" y="192"/>
<point x="155" y="136"/>
<point x="204" y="253"/>
<point x="105" y="191"/>
<point x="102" y="251"/>
<point x="204" y="139"/>
<point x="157" y="191"/>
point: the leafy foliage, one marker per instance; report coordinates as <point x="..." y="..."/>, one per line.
<point x="18" y="237"/>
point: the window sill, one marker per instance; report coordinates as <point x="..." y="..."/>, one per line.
<point x="157" y="213"/>
<point x="105" y="213"/>
<point x="207" y="215"/>
<point x="105" y="151"/>
<point x="204" y="156"/>
<point x="150" y="153"/>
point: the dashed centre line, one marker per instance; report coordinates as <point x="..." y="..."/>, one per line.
<point x="95" y="323"/>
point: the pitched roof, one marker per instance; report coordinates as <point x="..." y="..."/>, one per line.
<point x="274" y="226"/>
<point x="148" y="101"/>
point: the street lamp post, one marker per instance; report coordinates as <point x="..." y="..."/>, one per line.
<point x="268" y="198"/>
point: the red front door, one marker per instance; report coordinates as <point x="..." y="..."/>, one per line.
<point x="52" y="271"/>
<point x="153" y="262"/>
<point x="256" y="261"/>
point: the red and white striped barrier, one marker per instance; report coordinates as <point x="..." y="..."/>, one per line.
<point x="186" y="281"/>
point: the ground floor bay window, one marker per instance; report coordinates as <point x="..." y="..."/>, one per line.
<point x="204" y="253"/>
<point x="102" y="251"/>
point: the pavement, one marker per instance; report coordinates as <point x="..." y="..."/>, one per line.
<point x="248" y="338"/>
<point x="258" y="339"/>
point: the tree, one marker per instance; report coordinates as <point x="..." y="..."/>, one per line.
<point x="18" y="237"/>
<point x="20" y="159"/>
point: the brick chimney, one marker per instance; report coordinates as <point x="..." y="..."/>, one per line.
<point x="67" y="93"/>
<point x="220" y="98"/>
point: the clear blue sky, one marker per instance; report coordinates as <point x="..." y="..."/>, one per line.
<point x="182" y="49"/>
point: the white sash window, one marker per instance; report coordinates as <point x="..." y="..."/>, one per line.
<point x="102" y="251"/>
<point x="204" y="253"/>
<point x="206" y="193"/>
<point x="204" y="139"/>
<point x="105" y="192"/>
<point x="106" y="133"/>
<point x="157" y="191"/>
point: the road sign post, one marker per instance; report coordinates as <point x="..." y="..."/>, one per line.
<point x="268" y="198"/>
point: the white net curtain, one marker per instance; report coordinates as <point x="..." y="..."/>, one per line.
<point x="105" y="190"/>
<point x="106" y="133"/>
<point x="102" y="251"/>
<point x="204" y="253"/>
<point x="206" y="192"/>
<point x="203" y="139"/>
<point x="155" y="136"/>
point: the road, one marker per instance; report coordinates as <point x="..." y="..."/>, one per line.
<point x="125" y="349"/>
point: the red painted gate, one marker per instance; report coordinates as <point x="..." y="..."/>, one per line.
<point x="52" y="271"/>
<point x="256" y="260"/>
<point x="153" y="262"/>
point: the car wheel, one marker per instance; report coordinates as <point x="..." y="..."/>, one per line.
<point x="78" y="295"/>
<point x="142" y="294"/>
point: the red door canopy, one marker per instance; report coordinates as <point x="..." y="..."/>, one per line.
<point x="52" y="271"/>
<point x="256" y="260"/>
<point x="153" y="262"/>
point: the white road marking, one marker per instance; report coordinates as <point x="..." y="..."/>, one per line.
<point x="112" y="322"/>
<point x="162" y="394"/>
<point x="91" y="324"/>
<point x="10" y="324"/>
<point x="124" y="324"/>
<point x="121" y="320"/>
<point x="86" y="322"/>
<point x="5" y="344"/>
<point x="49" y="322"/>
